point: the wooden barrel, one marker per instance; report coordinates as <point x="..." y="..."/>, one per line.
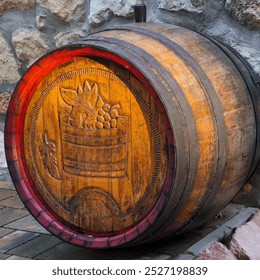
<point x="132" y="135"/>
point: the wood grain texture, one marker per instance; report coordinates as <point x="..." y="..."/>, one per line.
<point x="135" y="134"/>
<point x="94" y="147"/>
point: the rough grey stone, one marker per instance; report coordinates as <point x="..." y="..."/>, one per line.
<point x="4" y="172"/>
<point x="4" y="102"/>
<point x="216" y="251"/>
<point x="41" y="20"/>
<point x="193" y="6"/>
<point x="8" y="65"/>
<point x="63" y="10"/>
<point x="245" y="242"/>
<point x="247" y="12"/>
<point x="102" y="11"/>
<point x="64" y="38"/>
<point x="3" y="163"/>
<point x="250" y="53"/>
<point x="100" y="17"/>
<point x="244" y="41"/>
<point x="29" y="45"/>
<point x="6" y="5"/>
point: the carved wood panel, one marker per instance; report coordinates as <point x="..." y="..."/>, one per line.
<point x="94" y="145"/>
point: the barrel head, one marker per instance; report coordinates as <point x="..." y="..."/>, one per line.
<point x="94" y="146"/>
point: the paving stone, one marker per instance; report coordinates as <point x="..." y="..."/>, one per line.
<point x="216" y="251"/>
<point x="15" y="239"/>
<point x="13" y="202"/>
<point x="4" y="231"/>
<point x="8" y="215"/>
<point x="6" y="194"/>
<point x="3" y="256"/>
<point x="36" y="246"/>
<point x="245" y="242"/>
<point x="27" y="223"/>
<point x="5" y="175"/>
<point x="65" y="251"/>
<point x="17" y="258"/>
<point x="6" y="185"/>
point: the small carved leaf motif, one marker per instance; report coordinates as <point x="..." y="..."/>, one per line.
<point x="88" y="95"/>
<point x="48" y="153"/>
<point x="84" y="102"/>
<point x="70" y="96"/>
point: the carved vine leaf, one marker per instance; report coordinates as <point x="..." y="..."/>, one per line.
<point x="48" y="153"/>
<point x="84" y="102"/>
<point x="69" y="96"/>
<point x="88" y="110"/>
<point x="88" y="95"/>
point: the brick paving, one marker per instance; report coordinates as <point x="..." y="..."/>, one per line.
<point x="22" y="237"/>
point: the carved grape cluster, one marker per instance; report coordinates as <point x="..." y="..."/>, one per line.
<point x="107" y="117"/>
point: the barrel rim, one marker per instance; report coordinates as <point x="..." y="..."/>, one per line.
<point x="17" y="163"/>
